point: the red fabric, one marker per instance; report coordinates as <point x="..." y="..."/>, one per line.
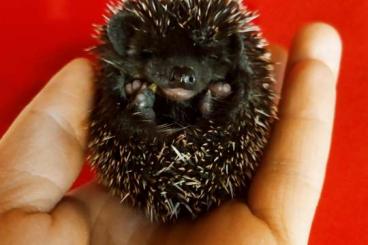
<point x="39" y="36"/>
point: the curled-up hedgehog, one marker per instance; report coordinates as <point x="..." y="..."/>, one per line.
<point x="184" y="104"/>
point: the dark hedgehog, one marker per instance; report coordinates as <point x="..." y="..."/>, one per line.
<point x="184" y="104"/>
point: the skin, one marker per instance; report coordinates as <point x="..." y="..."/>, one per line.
<point x="43" y="152"/>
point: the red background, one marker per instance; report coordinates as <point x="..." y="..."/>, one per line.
<point x="39" y="36"/>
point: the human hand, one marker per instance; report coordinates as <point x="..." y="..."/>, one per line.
<point x="43" y="151"/>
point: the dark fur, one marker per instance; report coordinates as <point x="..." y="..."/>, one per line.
<point x="216" y="49"/>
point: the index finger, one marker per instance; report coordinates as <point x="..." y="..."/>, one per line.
<point x="287" y="187"/>
<point x="42" y="152"/>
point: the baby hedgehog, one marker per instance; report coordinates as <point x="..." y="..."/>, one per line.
<point x="184" y="104"/>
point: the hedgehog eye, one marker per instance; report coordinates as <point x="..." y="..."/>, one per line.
<point x="146" y="54"/>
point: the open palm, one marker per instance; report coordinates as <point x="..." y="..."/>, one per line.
<point x="43" y="151"/>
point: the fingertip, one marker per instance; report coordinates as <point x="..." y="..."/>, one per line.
<point x="69" y="95"/>
<point x="319" y="41"/>
<point x="79" y="70"/>
<point x="81" y="64"/>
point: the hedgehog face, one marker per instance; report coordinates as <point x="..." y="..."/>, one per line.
<point x="181" y="60"/>
<point x="180" y="66"/>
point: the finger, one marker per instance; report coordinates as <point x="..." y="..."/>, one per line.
<point x="312" y="42"/>
<point x="42" y="152"/>
<point x="279" y="57"/>
<point x="287" y="187"/>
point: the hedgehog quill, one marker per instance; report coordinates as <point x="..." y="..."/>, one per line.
<point x="184" y="104"/>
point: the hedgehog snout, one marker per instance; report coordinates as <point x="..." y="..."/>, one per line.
<point x="182" y="77"/>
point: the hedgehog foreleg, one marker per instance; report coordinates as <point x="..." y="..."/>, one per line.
<point x="218" y="90"/>
<point x="142" y="104"/>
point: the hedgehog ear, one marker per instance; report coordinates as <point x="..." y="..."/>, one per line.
<point x="119" y="29"/>
<point x="240" y="50"/>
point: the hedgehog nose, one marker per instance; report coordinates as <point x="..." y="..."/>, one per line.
<point x="182" y="77"/>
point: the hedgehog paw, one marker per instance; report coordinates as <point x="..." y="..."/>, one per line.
<point x="205" y="106"/>
<point x="220" y="89"/>
<point x="134" y="87"/>
<point x="143" y="104"/>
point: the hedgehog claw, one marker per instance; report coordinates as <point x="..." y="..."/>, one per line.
<point x="205" y="105"/>
<point x="134" y="87"/>
<point x="220" y="89"/>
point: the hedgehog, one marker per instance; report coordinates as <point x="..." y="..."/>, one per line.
<point x="183" y="107"/>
